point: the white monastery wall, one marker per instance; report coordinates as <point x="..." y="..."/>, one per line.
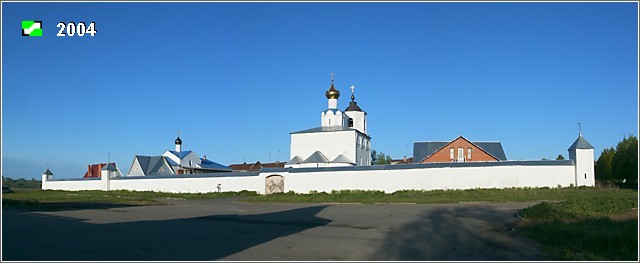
<point x="384" y="178"/>
<point x="73" y="185"/>
<point x="189" y="184"/>
<point x="430" y="178"/>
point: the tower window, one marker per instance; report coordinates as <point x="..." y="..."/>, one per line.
<point x="350" y="122"/>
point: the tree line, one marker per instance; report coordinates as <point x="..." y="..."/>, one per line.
<point x="21" y="183"/>
<point x="619" y="165"/>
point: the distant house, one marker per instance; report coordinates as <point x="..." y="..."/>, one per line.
<point x="174" y="162"/>
<point x="93" y="170"/>
<point x="245" y="167"/>
<point x="404" y="160"/>
<point x="458" y="150"/>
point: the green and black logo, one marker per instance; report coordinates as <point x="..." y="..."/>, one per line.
<point x="31" y="28"/>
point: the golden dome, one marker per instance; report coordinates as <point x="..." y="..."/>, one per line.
<point x="332" y="93"/>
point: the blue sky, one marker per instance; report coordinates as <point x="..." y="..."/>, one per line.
<point x="237" y="78"/>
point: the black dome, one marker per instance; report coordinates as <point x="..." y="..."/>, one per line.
<point x="178" y="141"/>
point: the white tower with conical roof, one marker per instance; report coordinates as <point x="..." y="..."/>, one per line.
<point x="581" y="152"/>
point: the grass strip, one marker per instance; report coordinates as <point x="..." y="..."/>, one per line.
<point x="43" y="197"/>
<point x="597" y="228"/>
<point x="445" y="196"/>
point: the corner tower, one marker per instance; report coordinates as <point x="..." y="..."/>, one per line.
<point x="581" y="152"/>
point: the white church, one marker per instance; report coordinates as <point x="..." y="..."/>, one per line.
<point x="336" y="156"/>
<point x="341" y="139"/>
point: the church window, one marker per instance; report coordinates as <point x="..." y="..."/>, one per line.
<point x="329" y="122"/>
<point x="451" y="153"/>
<point x="469" y="154"/>
<point x="460" y="154"/>
<point x="350" y="122"/>
<point x="161" y="169"/>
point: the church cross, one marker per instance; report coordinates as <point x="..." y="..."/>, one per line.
<point x="579" y="129"/>
<point x="352" y="88"/>
<point x="332" y="75"/>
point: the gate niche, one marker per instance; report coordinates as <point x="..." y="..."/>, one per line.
<point x="274" y="184"/>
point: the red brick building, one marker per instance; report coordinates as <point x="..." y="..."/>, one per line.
<point x="458" y="150"/>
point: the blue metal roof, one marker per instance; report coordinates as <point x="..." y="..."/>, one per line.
<point x="423" y="149"/>
<point x="580" y="143"/>
<point x="493" y="148"/>
<point x="171" y="162"/>
<point x="205" y="163"/>
<point x="109" y="167"/>
<point x="181" y="154"/>
<point x="152" y="164"/>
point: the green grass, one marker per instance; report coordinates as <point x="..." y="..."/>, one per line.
<point x="598" y="228"/>
<point x="23" y="197"/>
<point x="446" y="196"/>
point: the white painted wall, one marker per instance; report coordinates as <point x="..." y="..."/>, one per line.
<point x="431" y="178"/>
<point x="316" y="165"/>
<point x="190" y="185"/>
<point x="331" y="118"/>
<point x="331" y="144"/>
<point x="584" y="168"/>
<point x="358" y="120"/>
<point x="75" y="185"/>
<point x="379" y="179"/>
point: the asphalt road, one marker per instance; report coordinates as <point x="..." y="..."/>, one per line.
<point x="225" y="229"/>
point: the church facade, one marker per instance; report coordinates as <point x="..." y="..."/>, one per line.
<point x="340" y="140"/>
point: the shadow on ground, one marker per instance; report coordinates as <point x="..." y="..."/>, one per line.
<point x="459" y="233"/>
<point x="54" y="238"/>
